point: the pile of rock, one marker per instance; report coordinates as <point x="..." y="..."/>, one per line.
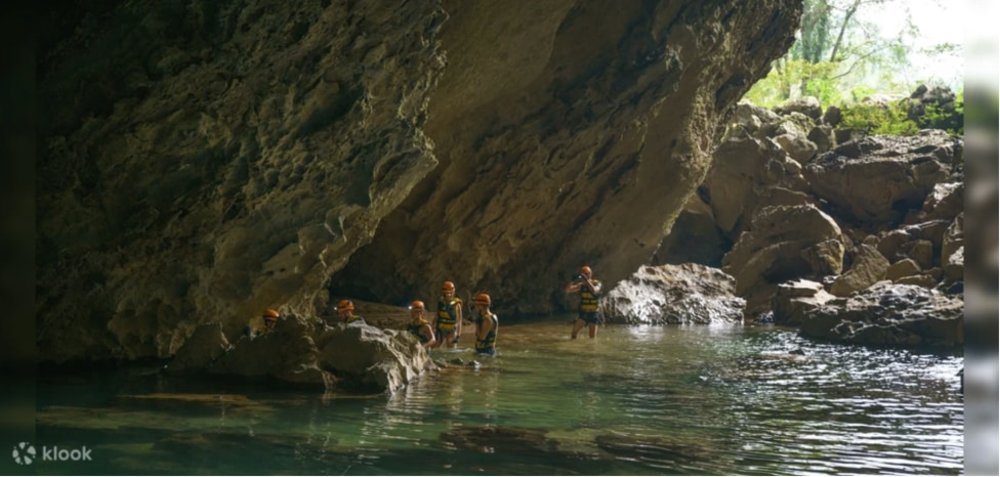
<point x="825" y="220"/>
<point x="308" y="352"/>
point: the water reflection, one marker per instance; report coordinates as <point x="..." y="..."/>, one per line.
<point x="639" y="400"/>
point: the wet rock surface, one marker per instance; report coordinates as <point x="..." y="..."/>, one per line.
<point x="355" y="357"/>
<point x="674" y="294"/>
<point x="792" y="300"/>
<point x="889" y="315"/>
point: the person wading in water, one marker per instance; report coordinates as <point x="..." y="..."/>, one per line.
<point x="589" y="289"/>
<point x="487" y="325"/>
<point x="448" y="322"/>
<point x="420" y="327"/>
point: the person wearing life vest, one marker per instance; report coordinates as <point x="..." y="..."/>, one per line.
<point x="487" y="325"/>
<point x="345" y="312"/>
<point x="448" y="321"/>
<point x="420" y="327"/>
<point x="589" y="289"/>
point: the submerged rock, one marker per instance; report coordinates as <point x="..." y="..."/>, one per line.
<point x="890" y="315"/>
<point x="674" y="294"/>
<point x="662" y="449"/>
<point x="500" y="440"/>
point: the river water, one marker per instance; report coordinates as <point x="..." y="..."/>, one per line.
<point x="637" y="400"/>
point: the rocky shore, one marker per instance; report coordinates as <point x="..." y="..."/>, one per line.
<point x="854" y="238"/>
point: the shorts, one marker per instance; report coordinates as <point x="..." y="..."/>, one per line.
<point x="442" y="334"/>
<point x="590" y="317"/>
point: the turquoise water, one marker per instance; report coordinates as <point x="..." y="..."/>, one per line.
<point x="637" y="400"/>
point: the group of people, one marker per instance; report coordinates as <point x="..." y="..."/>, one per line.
<point x="446" y="327"/>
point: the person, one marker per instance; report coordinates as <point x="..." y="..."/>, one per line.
<point x="269" y="319"/>
<point x="589" y="289"/>
<point x="487" y="325"/>
<point x="420" y="327"/>
<point x="448" y="321"/>
<point x="345" y="311"/>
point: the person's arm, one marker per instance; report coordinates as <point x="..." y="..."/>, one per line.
<point x="482" y="331"/>
<point x="573" y="286"/>
<point x="458" y="321"/>
<point x="430" y="332"/>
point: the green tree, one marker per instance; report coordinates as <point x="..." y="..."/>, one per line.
<point x="836" y="50"/>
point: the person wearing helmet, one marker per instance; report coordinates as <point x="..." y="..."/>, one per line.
<point x="269" y="319"/>
<point x="420" y="327"/>
<point x="448" y="321"/>
<point x="589" y="289"/>
<point x="345" y="312"/>
<point x="487" y="325"/>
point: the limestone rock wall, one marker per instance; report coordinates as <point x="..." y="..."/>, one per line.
<point x="578" y="143"/>
<point x="204" y="160"/>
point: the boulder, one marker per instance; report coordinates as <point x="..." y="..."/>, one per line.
<point x="921" y="280"/>
<point x="822" y="137"/>
<point x="833" y="116"/>
<point x="945" y="202"/>
<point x="674" y="294"/>
<point x="953" y="238"/>
<point x="355" y="357"/>
<point x="843" y="136"/>
<point x="751" y="117"/>
<point x="902" y="268"/>
<point x="921" y="251"/>
<point x="286" y="354"/>
<point x="798" y="147"/>
<point x="743" y="167"/>
<point x="940" y="100"/>
<point x="877" y="180"/>
<point x="895" y="244"/>
<point x="793" y="123"/>
<point x="806" y="105"/>
<point x="783" y="243"/>
<point x="204" y="346"/>
<point x="869" y="267"/>
<point x="954" y="268"/>
<point x="793" y="299"/>
<point x="369" y="358"/>
<point x="889" y="315"/>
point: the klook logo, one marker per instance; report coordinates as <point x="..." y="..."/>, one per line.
<point x="25" y="454"/>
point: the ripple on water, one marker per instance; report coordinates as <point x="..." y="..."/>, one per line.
<point x="642" y="400"/>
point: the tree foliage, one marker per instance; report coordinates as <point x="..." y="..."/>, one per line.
<point x="840" y="56"/>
